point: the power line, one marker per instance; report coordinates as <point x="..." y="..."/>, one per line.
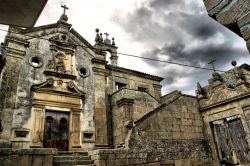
<point x="125" y="54"/>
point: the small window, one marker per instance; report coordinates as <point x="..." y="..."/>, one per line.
<point x="88" y="135"/>
<point x="120" y="85"/>
<point x="21" y="133"/>
<point x="142" y="89"/>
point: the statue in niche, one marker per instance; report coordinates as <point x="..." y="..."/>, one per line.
<point x="57" y="63"/>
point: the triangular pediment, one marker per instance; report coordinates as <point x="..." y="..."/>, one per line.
<point x="53" y="29"/>
<point x="58" y="86"/>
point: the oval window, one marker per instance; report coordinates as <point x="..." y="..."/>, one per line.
<point x="35" y="61"/>
<point x="83" y="72"/>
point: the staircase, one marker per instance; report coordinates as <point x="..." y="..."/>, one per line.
<point x="70" y="158"/>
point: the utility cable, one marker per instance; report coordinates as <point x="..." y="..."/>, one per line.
<point x="125" y="54"/>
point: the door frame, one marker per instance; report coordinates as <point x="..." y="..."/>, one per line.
<point x="68" y="124"/>
<point x="58" y="103"/>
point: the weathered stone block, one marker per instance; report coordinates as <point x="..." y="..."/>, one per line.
<point x="100" y="162"/>
<point x="183" y="163"/>
<point x="210" y="4"/>
<point x="218" y="8"/>
<point x="233" y="12"/>
<point x="244" y="20"/>
<point x="245" y="31"/>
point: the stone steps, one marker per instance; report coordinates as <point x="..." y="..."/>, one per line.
<point x="70" y="158"/>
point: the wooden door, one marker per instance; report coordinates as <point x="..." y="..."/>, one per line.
<point x="230" y="141"/>
<point x="238" y="138"/>
<point x="56" y="130"/>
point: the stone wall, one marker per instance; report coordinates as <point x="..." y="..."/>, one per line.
<point x="134" y="80"/>
<point x="178" y="119"/>
<point x="235" y="15"/>
<point x="128" y="105"/>
<point x="170" y="135"/>
<point x="159" y="157"/>
<point x="9" y="80"/>
<point x="24" y="157"/>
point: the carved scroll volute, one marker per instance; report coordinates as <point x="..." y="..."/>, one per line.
<point x="75" y="129"/>
<point x="37" y="127"/>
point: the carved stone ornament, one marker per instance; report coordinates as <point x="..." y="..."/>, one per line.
<point x="57" y="62"/>
<point x="200" y="92"/>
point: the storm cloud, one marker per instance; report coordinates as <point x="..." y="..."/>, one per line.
<point x="181" y="32"/>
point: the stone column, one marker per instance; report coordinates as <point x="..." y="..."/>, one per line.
<point x="127" y="108"/>
<point x="75" y="129"/>
<point x="157" y="90"/>
<point x="14" y="54"/>
<point x="38" y="128"/>
<point x="114" y="58"/>
<point x="100" y="103"/>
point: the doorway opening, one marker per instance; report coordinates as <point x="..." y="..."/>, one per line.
<point x="56" y="130"/>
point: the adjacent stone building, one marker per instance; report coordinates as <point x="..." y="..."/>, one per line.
<point x="235" y="15"/>
<point x="224" y="106"/>
<point x="61" y="103"/>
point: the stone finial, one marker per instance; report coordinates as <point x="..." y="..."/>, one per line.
<point x="101" y="38"/>
<point x="234" y="63"/>
<point x="107" y="41"/>
<point x="200" y="92"/>
<point x="97" y="37"/>
<point x="199" y="88"/>
<point x="64" y="17"/>
<point x="113" y="41"/>
<point x="238" y="73"/>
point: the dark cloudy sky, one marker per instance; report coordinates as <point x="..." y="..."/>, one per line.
<point x="171" y="30"/>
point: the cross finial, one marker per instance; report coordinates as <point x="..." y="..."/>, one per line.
<point x="107" y="35"/>
<point x="64" y="8"/>
<point x="212" y="63"/>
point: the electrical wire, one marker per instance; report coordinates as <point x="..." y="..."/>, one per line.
<point x="125" y="54"/>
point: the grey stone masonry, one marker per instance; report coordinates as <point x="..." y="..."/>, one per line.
<point x="235" y="15"/>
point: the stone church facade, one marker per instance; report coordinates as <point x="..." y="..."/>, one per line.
<point x="61" y="101"/>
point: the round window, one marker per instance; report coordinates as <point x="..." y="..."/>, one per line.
<point x="83" y="72"/>
<point x="35" y="61"/>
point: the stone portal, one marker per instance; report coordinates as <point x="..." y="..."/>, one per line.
<point x="56" y="130"/>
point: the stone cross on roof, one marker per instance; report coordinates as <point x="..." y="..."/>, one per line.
<point x="64" y="8"/>
<point x="107" y="35"/>
<point x="212" y="63"/>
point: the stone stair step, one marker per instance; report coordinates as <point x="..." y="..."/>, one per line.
<point x="73" y="162"/>
<point x="72" y="153"/>
<point x="86" y="165"/>
<point x="71" y="157"/>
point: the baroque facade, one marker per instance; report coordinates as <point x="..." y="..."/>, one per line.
<point x="63" y="104"/>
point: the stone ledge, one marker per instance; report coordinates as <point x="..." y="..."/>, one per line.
<point x="36" y="151"/>
<point x="244" y="20"/>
